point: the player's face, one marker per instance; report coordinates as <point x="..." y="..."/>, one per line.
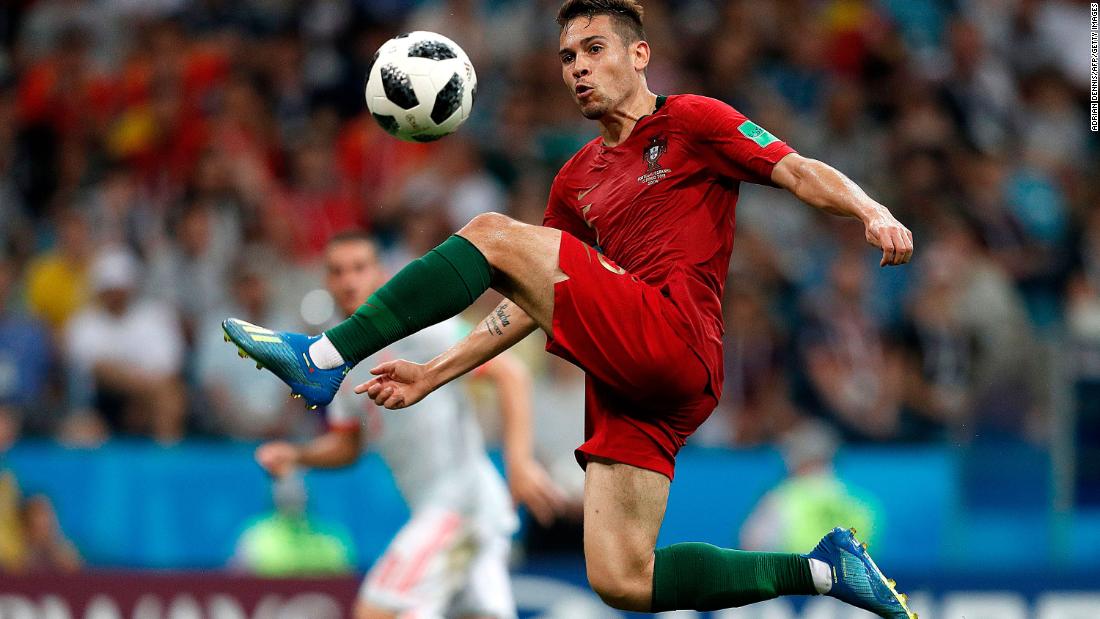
<point x="600" y="69"/>
<point x="353" y="273"/>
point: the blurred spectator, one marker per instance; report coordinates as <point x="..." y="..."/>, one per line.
<point x="57" y="280"/>
<point x="190" y="271"/>
<point x="11" y="528"/>
<point x="845" y="134"/>
<point x="801" y="79"/>
<point x="63" y="103"/>
<point x="755" y="404"/>
<point x="30" y="538"/>
<point x="791" y="516"/>
<point x="1050" y="123"/>
<point x="922" y="22"/>
<point x="1084" y="361"/>
<point x="47" y="550"/>
<point x="118" y="211"/>
<point x="980" y="89"/>
<point x="289" y="543"/>
<point x="1057" y="22"/>
<point x="1085" y="330"/>
<point x="127" y="352"/>
<point x="854" y="373"/>
<point x="1020" y="218"/>
<point x="468" y="192"/>
<point x="240" y="405"/>
<point x="26" y="353"/>
<point x="48" y="21"/>
<point x="15" y="230"/>
<point x="1006" y="399"/>
<point x="460" y="20"/>
<point x="316" y="205"/>
<point x="940" y="352"/>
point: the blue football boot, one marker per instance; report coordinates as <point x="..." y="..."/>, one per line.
<point x="856" y="578"/>
<point x="286" y="355"/>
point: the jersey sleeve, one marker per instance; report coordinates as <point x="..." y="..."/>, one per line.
<point x="561" y="216"/>
<point x="729" y="144"/>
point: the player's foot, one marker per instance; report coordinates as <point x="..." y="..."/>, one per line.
<point x="286" y="355"/>
<point x="856" y="578"/>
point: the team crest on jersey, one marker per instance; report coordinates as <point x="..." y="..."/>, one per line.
<point x="652" y="154"/>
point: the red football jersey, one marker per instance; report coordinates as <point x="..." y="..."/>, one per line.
<point x="661" y="205"/>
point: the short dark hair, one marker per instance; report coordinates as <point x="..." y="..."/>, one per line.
<point x="352" y="236"/>
<point x="625" y="14"/>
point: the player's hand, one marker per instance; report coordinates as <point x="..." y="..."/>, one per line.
<point x="397" y="384"/>
<point x="277" y="457"/>
<point x="532" y="487"/>
<point x="895" y="240"/>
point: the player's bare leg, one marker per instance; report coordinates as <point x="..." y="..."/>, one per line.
<point x="524" y="259"/>
<point x="623" y="510"/>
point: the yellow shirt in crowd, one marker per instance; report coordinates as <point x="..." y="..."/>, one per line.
<point x="56" y="289"/>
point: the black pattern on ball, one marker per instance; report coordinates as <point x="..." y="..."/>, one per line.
<point x="370" y="67"/>
<point x="389" y="123"/>
<point x="398" y="87"/>
<point x="436" y="50"/>
<point x="402" y="35"/>
<point x="428" y="137"/>
<point x="448" y="100"/>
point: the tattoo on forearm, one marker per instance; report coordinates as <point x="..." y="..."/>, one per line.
<point x="496" y="323"/>
<point x="493" y="325"/>
<point x="502" y="314"/>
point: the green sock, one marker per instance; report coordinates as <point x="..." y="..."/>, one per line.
<point x="430" y="289"/>
<point x="695" y="576"/>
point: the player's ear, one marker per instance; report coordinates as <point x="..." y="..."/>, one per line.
<point x="640" y="50"/>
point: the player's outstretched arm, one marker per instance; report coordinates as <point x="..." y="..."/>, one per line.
<point x="824" y="187"/>
<point x="529" y="482"/>
<point x="335" y="449"/>
<point x="399" y="384"/>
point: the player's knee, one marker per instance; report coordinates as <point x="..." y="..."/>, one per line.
<point x="487" y="229"/>
<point x="620" y="588"/>
<point x="496" y="236"/>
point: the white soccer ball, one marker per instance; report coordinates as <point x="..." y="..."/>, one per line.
<point x="420" y="86"/>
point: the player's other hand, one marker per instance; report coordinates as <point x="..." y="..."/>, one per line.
<point x="532" y="487"/>
<point x="397" y="384"/>
<point x="895" y="240"/>
<point x="277" y="457"/>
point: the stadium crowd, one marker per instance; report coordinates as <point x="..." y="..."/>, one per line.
<point x="167" y="163"/>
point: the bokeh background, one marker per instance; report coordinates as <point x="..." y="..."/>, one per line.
<point x="167" y="163"/>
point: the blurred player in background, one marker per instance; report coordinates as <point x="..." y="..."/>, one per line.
<point x="626" y="278"/>
<point x="451" y="559"/>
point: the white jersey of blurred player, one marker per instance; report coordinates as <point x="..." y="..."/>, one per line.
<point x="450" y="560"/>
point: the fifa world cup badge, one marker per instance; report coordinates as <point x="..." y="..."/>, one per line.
<point x="652" y="157"/>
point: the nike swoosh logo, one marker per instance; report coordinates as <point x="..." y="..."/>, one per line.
<point x="582" y="194"/>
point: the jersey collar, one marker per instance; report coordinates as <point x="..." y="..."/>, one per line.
<point x="661" y="99"/>
<point x="656" y="108"/>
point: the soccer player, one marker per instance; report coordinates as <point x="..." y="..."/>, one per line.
<point x="625" y="278"/>
<point x="451" y="558"/>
